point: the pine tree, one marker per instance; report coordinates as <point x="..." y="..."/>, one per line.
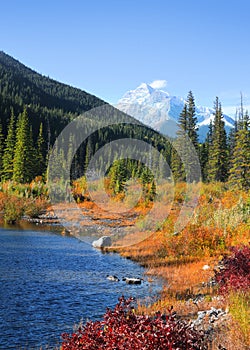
<point x="239" y="173"/>
<point x="184" y="152"/>
<point x="8" y="155"/>
<point x="23" y="169"/>
<point x="177" y="164"/>
<point x="40" y="157"/>
<point x="89" y="152"/>
<point x="57" y="163"/>
<point x="1" y="149"/>
<point x="118" y="176"/>
<point x="183" y="121"/>
<point x="192" y="120"/>
<point x="71" y="160"/>
<point x="204" y="152"/>
<point x="218" y="154"/>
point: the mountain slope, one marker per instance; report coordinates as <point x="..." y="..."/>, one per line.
<point x="55" y="104"/>
<point x="160" y="110"/>
<point x="35" y="88"/>
<point x="48" y="100"/>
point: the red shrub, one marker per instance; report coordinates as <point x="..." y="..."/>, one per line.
<point x="122" y="329"/>
<point x="236" y="270"/>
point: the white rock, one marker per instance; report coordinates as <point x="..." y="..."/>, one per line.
<point x="113" y="278"/>
<point x="102" y="242"/>
<point x="132" y="280"/>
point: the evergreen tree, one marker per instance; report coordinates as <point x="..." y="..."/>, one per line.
<point x="232" y="137"/>
<point x="239" y="173"/>
<point x="218" y="155"/>
<point x="204" y="152"/>
<point x="183" y="121"/>
<point x="183" y="158"/>
<point x="57" y="163"/>
<point x="8" y="155"/>
<point x="177" y="164"/>
<point x="192" y="120"/>
<point x="71" y="160"/>
<point x="89" y="152"/>
<point x="41" y="164"/>
<point x="23" y="169"/>
<point x="1" y="149"/>
<point x="118" y="176"/>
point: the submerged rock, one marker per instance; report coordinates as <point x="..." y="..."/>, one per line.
<point x="131" y="280"/>
<point x="113" y="278"/>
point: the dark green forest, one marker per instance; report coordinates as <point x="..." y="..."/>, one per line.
<point x="34" y="109"/>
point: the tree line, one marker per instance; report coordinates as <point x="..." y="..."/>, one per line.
<point x="21" y="158"/>
<point x="222" y="157"/>
<point x="34" y="109"/>
<point x="24" y="154"/>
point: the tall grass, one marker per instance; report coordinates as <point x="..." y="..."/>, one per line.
<point x="239" y="306"/>
<point x="17" y="200"/>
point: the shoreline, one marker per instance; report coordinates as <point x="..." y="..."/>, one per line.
<point x="187" y="283"/>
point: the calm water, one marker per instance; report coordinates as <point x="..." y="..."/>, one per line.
<point x="49" y="283"/>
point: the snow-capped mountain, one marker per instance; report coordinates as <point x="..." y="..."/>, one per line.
<point x="159" y="110"/>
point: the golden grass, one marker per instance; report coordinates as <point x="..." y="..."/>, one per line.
<point x="239" y="306"/>
<point x="220" y="220"/>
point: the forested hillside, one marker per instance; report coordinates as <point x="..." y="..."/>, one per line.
<point x="49" y="102"/>
<point x="34" y="109"/>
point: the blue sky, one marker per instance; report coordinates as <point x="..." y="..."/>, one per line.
<point x="109" y="47"/>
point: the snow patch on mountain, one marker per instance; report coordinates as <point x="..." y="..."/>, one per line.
<point x="153" y="106"/>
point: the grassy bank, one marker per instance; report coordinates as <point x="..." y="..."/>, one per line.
<point x="188" y="261"/>
<point x="22" y="200"/>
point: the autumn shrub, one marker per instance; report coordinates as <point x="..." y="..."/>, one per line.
<point x="3" y="198"/>
<point x="235" y="271"/>
<point x="122" y="328"/>
<point x="213" y="190"/>
<point x="79" y="189"/>
<point x="231" y="198"/>
<point x="233" y="279"/>
<point x="13" y="209"/>
<point x="229" y="219"/>
<point x="37" y="188"/>
<point x="17" y="199"/>
<point x="192" y="241"/>
<point x="179" y="192"/>
<point x="35" y="207"/>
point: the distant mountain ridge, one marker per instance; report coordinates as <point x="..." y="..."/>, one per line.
<point x="158" y="109"/>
